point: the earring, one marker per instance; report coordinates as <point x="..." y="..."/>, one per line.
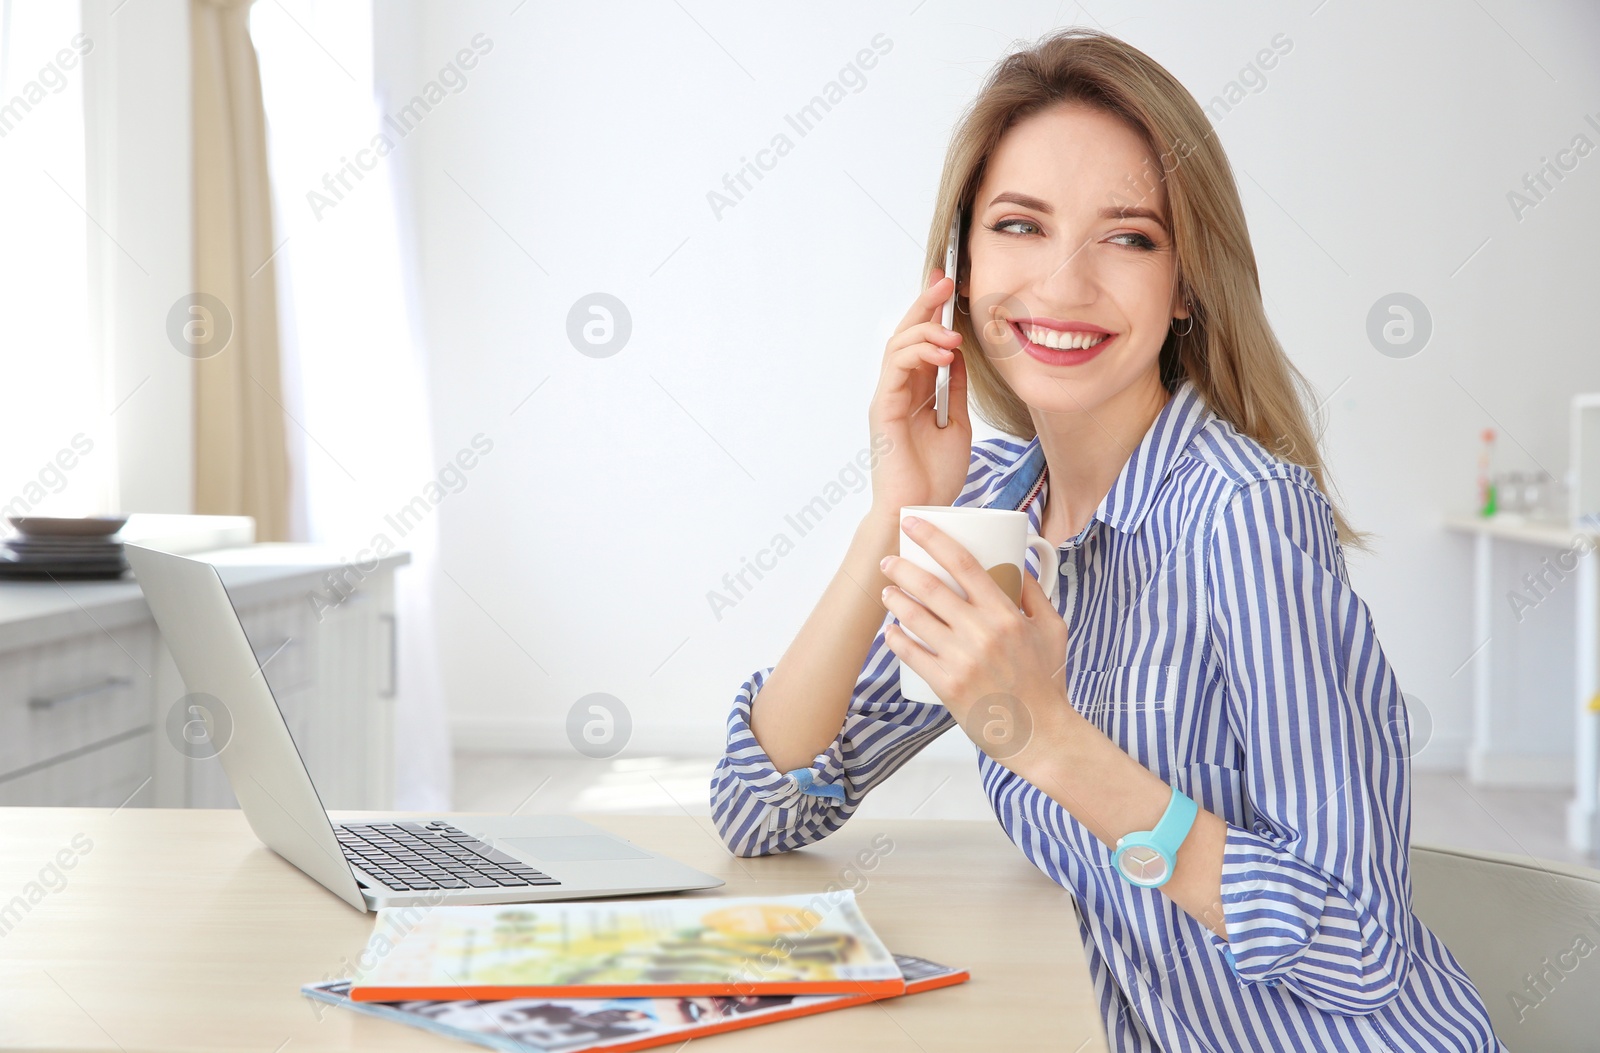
<point x="1190" y="320"/>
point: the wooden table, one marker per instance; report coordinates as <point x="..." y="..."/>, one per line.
<point x="175" y="930"/>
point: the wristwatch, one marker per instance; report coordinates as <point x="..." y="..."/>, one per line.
<point x="1146" y="857"/>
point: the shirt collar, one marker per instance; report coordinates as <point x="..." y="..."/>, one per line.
<point x="1129" y="498"/>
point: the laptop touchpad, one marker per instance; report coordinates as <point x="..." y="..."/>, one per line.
<point x="571" y="849"/>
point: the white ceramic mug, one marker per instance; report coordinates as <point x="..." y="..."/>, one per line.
<point x="999" y="540"/>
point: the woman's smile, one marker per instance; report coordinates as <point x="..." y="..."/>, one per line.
<point x="1061" y="343"/>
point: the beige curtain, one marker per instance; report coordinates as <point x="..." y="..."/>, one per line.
<point x="241" y="458"/>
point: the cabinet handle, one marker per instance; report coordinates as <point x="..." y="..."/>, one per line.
<point x="51" y="701"/>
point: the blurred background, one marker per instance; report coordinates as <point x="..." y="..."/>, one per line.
<point x="538" y="325"/>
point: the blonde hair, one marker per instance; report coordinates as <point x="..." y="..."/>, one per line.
<point x="1230" y="353"/>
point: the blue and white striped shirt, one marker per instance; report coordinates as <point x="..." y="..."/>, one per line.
<point x="1215" y="638"/>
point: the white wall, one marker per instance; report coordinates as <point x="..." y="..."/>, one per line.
<point x="141" y="245"/>
<point x="1376" y="158"/>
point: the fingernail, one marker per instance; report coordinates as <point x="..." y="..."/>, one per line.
<point x="883" y="564"/>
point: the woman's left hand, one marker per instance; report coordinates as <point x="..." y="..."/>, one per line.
<point x="998" y="670"/>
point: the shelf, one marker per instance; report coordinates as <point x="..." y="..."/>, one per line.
<point x="1555" y="533"/>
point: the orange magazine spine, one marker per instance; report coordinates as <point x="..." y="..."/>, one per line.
<point x="739" y="1023"/>
<point x="736" y="1024"/>
<point x="489" y="993"/>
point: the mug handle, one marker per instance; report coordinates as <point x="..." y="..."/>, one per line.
<point x="1049" y="564"/>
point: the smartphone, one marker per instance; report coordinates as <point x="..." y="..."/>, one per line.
<point x="952" y="259"/>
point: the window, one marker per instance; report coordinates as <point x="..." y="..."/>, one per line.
<point x="56" y="447"/>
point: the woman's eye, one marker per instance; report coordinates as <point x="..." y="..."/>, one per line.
<point x="1004" y="224"/>
<point x="1140" y="241"/>
<point x="1008" y="226"/>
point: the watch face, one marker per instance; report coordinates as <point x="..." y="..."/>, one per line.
<point x="1142" y="864"/>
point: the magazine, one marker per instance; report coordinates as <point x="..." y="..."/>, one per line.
<point x="644" y="948"/>
<point x="614" y="1025"/>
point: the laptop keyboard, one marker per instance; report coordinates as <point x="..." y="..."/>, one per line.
<point x="432" y="855"/>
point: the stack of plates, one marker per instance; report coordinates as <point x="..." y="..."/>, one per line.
<point x="63" y="548"/>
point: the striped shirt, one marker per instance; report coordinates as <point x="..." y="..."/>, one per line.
<point x="1215" y="638"/>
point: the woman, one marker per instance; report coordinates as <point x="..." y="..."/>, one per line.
<point x="1207" y="663"/>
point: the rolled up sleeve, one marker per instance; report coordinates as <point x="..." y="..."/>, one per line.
<point x="758" y="809"/>
<point x="1315" y="894"/>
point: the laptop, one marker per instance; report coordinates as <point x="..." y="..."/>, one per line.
<point x="376" y="862"/>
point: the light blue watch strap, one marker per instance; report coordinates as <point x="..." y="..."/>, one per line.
<point x="1175" y="823"/>
<point x="806" y="779"/>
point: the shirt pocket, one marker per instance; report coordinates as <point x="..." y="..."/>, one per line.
<point x="1133" y="706"/>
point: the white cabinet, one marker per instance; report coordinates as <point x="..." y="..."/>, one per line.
<point x="88" y="690"/>
<point x="75" y="718"/>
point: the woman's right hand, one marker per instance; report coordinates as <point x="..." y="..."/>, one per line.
<point x="923" y="464"/>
